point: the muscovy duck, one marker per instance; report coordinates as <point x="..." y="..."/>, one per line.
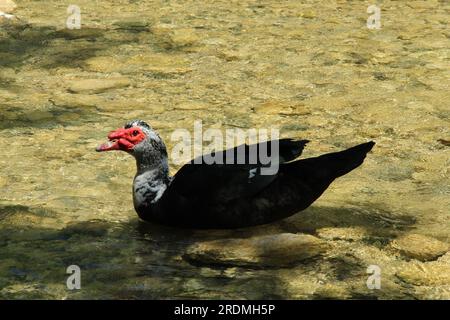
<point x="202" y="195"/>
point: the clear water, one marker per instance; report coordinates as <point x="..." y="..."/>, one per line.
<point x="310" y="68"/>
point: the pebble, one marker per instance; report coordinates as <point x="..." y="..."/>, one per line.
<point x="268" y="250"/>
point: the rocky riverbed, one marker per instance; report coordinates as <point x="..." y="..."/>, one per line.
<point x="311" y="69"/>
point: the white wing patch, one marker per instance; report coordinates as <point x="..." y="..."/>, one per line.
<point x="252" y="173"/>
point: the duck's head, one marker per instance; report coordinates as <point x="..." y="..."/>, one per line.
<point x="136" y="137"/>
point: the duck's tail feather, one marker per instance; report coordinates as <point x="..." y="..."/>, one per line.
<point x="290" y="149"/>
<point x="330" y="166"/>
<point x="339" y="163"/>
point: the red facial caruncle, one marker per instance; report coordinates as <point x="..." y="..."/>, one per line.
<point x="123" y="139"/>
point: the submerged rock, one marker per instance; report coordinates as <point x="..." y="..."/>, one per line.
<point x="160" y="63"/>
<point x="97" y="85"/>
<point x="104" y="64"/>
<point x="310" y="14"/>
<point x="445" y="258"/>
<point x="69" y="100"/>
<point x="435" y="273"/>
<point x="93" y="228"/>
<point x="273" y="107"/>
<point x="192" y="105"/>
<point x="419" y="247"/>
<point x="348" y="234"/>
<point x="270" y="250"/>
<point x="183" y="38"/>
<point x="144" y="62"/>
<point x="444" y="142"/>
<point x="83" y="33"/>
<point x="7" y="6"/>
<point x="170" y="37"/>
<point x="132" y="24"/>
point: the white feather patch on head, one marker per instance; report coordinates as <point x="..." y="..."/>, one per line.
<point x="145" y="127"/>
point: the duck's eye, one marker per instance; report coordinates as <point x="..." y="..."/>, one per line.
<point x="135" y="133"/>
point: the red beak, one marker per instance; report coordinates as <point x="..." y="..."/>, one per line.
<point x="117" y="141"/>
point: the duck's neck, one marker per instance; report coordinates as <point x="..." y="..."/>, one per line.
<point x="150" y="182"/>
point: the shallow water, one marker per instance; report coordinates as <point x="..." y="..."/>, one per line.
<point x="311" y="69"/>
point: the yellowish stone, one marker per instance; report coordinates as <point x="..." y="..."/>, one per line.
<point x="269" y="250"/>
<point x="419" y="247"/>
<point x="7" y="6"/>
<point x="97" y="85"/>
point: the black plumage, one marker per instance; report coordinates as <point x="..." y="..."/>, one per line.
<point x="228" y="196"/>
<point x="239" y="188"/>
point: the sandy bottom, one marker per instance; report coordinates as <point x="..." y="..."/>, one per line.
<point x="312" y="70"/>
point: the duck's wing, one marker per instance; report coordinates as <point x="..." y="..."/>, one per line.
<point x="225" y="181"/>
